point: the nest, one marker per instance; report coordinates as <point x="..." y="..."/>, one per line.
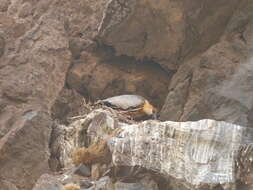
<point x="116" y="114"/>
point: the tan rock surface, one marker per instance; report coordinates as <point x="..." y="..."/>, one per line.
<point x="217" y="84"/>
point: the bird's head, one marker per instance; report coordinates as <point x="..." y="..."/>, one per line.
<point x="150" y="110"/>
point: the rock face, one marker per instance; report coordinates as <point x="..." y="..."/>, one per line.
<point x="100" y="75"/>
<point x="23" y="147"/>
<point x="210" y="86"/>
<point x="165" y="31"/>
<point x="216" y="84"/>
<point x="109" y="47"/>
<point x="32" y="73"/>
<point x="199" y="154"/>
<point x="34" y="59"/>
<point x="208" y="46"/>
<point x="67" y="105"/>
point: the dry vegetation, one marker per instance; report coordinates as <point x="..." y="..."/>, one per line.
<point x="96" y="153"/>
<point x="71" y="186"/>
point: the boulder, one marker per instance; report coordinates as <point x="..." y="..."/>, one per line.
<point x="82" y="170"/>
<point x="105" y="183"/>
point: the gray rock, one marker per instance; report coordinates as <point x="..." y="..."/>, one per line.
<point x="201" y="152"/>
<point x="98" y="170"/>
<point x="129" y="186"/>
<point x="49" y="182"/>
<point x="105" y="183"/>
<point x="54" y="187"/>
<point x="149" y="183"/>
<point x="85" y="184"/>
<point x="82" y="170"/>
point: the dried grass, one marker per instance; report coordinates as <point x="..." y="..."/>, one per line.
<point x="71" y="186"/>
<point x="96" y="153"/>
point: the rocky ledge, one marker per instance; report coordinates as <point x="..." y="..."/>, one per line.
<point x="205" y="154"/>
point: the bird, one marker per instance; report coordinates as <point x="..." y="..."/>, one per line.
<point x="135" y="106"/>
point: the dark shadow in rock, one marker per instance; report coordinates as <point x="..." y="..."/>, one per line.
<point x="101" y="74"/>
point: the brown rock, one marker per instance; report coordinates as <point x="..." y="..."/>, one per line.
<point x="68" y="104"/>
<point x="39" y="39"/>
<point x="49" y="182"/>
<point x="102" y="75"/>
<point x="34" y="59"/>
<point x="2" y="46"/>
<point x="24" y="146"/>
<point x="32" y="73"/>
<point x="4" y="4"/>
<point x="5" y="185"/>
<point x="25" y="10"/>
<point x="165" y="31"/>
<point x="217" y="83"/>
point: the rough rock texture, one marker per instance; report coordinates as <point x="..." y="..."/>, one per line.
<point x="100" y="75"/>
<point x="47" y="181"/>
<point x="67" y="105"/>
<point x="32" y="72"/>
<point x="206" y="87"/>
<point x="165" y="31"/>
<point x="24" y="149"/>
<point x="136" y="186"/>
<point x="199" y="155"/>
<point x="56" y="182"/>
<point x="207" y="44"/>
<point x="217" y="84"/>
<point x="34" y="59"/>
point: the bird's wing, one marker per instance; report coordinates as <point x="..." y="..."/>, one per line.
<point x="132" y="109"/>
<point x="124" y="102"/>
